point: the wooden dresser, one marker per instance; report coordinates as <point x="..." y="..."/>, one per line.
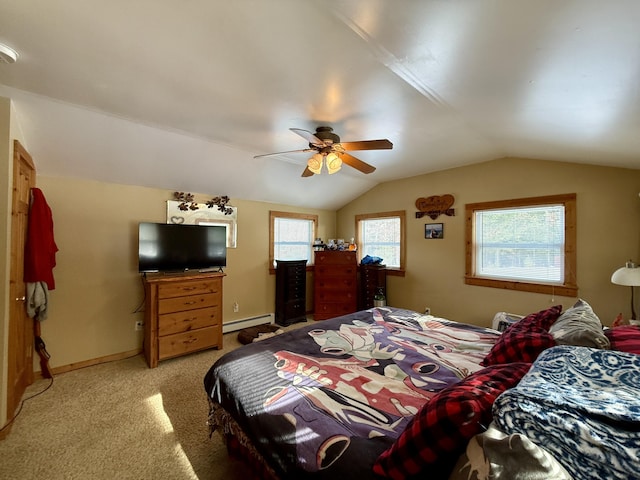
<point x="183" y="314"/>
<point x="291" y="291"/>
<point x="335" y="284"/>
<point x="373" y="278"/>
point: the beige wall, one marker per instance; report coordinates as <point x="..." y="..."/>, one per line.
<point x="608" y="227"/>
<point x="98" y="288"/>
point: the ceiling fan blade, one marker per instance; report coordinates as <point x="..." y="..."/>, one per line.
<point x="356" y="163"/>
<point x="308" y="136"/>
<point x="307" y="173"/>
<point x="383" y="144"/>
<point x="284" y="153"/>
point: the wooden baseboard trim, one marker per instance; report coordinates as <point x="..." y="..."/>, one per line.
<point x="90" y="363"/>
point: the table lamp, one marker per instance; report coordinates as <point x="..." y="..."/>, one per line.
<point x="629" y="275"/>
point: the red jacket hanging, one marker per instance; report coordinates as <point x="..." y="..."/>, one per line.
<point x="40" y="247"/>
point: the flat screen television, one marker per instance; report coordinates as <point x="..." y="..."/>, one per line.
<point x="166" y="247"/>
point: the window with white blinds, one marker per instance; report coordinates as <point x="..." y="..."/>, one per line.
<point x="382" y="235"/>
<point x="293" y="239"/>
<point x="524" y="244"/>
<point x="291" y="236"/>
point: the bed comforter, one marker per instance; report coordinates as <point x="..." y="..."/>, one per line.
<point x="324" y="401"/>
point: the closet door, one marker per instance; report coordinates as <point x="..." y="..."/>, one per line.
<point x="20" y="361"/>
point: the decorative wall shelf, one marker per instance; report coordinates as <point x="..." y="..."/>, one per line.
<point x="435" y="206"/>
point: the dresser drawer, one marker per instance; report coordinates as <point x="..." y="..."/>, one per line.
<point x="179" y="322"/>
<point x="346" y="270"/>
<point x="192" y="287"/>
<point x="330" y="310"/>
<point x="336" y="282"/>
<point x="335" y="258"/>
<point x="181" y="343"/>
<point x="344" y="296"/>
<point x="191" y="302"/>
<point x="294" y="309"/>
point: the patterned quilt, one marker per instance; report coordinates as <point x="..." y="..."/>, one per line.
<point x="583" y="406"/>
<point x="323" y="401"/>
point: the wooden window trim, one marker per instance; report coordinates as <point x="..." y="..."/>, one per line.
<point x="569" y="288"/>
<point x="393" y="271"/>
<point x="273" y="214"/>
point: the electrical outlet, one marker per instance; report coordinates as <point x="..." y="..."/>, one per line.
<point x="236" y="307"/>
<point x="427" y="311"/>
<point x="139" y="325"/>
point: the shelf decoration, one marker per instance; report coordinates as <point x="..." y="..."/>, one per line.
<point x="435" y="206"/>
<point x="184" y="209"/>
<point x="187" y="203"/>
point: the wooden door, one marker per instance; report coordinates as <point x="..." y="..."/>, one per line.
<point x="21" y="340"/>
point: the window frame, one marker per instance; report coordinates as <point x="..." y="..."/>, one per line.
<point x="296" y="216"/>
<point x="401" y="214"/>
<point x="569" y="286"/>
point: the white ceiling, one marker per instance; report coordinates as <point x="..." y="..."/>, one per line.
<point x="182" y="95"/>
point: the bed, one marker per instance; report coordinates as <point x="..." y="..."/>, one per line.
<point x="392" y="393"/>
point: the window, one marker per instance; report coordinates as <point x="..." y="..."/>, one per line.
<point x="291" y="237"/>
<point x="526" y="244"/>
<point x="382" y="235"/>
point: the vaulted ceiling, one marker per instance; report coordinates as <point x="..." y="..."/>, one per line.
<point x="182" y="95"/>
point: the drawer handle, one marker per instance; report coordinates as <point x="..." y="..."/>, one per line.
<point x="191" y="340"/>
<point x="191" y="302"/>
<point x="188" y="289"/>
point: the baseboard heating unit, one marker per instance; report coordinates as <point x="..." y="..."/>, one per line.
<point x="247" y="322"/>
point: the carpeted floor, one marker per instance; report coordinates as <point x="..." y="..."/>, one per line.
<point x="121" y="420"/>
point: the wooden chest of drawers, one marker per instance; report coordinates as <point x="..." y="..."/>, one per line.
<point x="373" y="279"/>
<point x="335" y="284"/>
<point x="183" y="314"/>
<point x="291" y="290"/>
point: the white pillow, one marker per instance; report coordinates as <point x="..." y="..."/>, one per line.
<point x="579" y="326"/>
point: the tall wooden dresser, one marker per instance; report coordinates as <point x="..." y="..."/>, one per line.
<point x="335" y="284"/>
<point x="291" y="291"/>
<point x="373" y="279"/>
<point x="183" y="314"/>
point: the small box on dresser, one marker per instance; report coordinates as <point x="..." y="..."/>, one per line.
<point x="183" y="314"/>
<point x="335" y="284"/>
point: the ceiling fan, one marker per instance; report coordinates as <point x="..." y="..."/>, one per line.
<point x="330" y="152"/>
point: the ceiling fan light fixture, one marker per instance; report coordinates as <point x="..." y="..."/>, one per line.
<point x="315" y="163"/>
<point x="333" y="162"/>
<point x="7" y="54"/>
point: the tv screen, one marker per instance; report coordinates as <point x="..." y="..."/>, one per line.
<point x="169" y="247"/>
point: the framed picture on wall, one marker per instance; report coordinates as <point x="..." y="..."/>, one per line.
<point x="433" y="230"/>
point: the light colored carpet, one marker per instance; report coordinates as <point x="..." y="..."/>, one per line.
<point x="121" y="420"/>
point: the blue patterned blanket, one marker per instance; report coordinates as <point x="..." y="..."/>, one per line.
<point x="583" y="406"/>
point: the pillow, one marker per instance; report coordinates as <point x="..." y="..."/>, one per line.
<point x="625" y="338"/>
<point x="497" y="456"/>
<point x="519" y="346"/>
<point x="579" y="326"/>
<point x="434" y="439"/>
<point x="542" y="319"/>
<point x="523" y="341"/>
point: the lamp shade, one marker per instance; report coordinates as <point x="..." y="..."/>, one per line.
<point x="315" y="163"/>
<point x="628" y="275"/>
<point x="333" y="162"/>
